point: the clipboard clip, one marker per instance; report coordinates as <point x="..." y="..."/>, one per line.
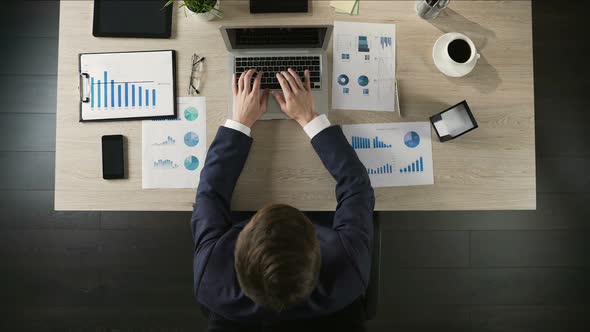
<point x="84" y="88"/>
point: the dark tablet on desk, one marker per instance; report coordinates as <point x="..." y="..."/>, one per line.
<point x="278" y="6"/>
<point x="132" y="18"/>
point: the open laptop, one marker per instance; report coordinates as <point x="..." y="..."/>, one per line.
<point x="275" y="48"/>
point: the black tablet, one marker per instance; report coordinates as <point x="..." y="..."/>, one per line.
<point x="132" y="18"/>
<point x="278" y="6"/>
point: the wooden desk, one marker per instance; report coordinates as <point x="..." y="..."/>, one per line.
<point x="490" y="168"/>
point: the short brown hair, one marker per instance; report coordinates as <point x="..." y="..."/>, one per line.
<point x="277" y="257"/>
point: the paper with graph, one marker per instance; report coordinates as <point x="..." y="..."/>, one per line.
<point x="364" y="66"/>
<point x="127" y="85"/>
<point x="174" y="150"/>
<point x="395" y="154"/>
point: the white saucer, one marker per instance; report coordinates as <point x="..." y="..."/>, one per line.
<point x="444" y="63"/>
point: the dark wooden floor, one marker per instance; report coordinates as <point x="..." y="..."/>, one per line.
<point x="476" y="271"/>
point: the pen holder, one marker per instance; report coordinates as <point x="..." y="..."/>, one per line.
<point x="430" y="9"/>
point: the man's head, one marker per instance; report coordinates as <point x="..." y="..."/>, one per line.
<point x="277" y="257"/>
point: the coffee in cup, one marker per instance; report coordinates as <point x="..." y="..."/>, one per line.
<point x="454" y="54"/>
<point x="459" y="50"/>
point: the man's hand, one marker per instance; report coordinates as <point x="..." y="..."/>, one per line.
<point x="296" y="99"/>
<point x="249" y="105"/>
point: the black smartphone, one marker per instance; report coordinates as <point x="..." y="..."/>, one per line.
<point x="113" y="157"/>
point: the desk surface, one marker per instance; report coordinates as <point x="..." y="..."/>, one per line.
<point x="492" y="167"/>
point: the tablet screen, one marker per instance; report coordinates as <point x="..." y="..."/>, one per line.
<point x="132" y="18"/>
<point x="278" y="6"/>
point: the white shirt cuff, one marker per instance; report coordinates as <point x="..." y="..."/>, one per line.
<point x="238" y="126"/>
<point x="316" y="125"/>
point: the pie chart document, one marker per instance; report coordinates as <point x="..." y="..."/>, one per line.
<point x="395" y="154"/>
<point x="174" y="150"/>
<point x="364" y="66"/>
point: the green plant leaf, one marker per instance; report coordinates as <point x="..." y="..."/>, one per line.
<point x="169" y="3"/>
<point x="198" y="6"/>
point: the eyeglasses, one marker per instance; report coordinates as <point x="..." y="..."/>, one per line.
<point x="196" y="73"/>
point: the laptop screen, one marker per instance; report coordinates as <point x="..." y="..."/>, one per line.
<point x="276" y="37"/>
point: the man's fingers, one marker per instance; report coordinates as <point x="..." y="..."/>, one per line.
<point x="257" y="82"/>
<point x="296" y="78"/>
<point x="291" y="80"/>
<point x="241" y="82"/>
<point x="284" y="84"/>
<point x="234" y="85"/>
<point x="248" y="80"/>
<point x="279" y="98"/>
<point x="307" y="80"/>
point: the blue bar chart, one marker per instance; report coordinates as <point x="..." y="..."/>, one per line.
<point x="378" y="144"/>
<point x="361" y="142"/>
<point x="394" y="154"/>
<point x="112" y="94"/>
<point x="415" y="167"/>
<point x="385" y="169"/>
<point x="99" y="94"/>
<point x="165" y="164"/>
<point x="169" y="141"/>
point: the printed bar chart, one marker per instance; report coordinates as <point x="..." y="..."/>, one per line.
<point x="400" y="153"/>
<point x="92" y="92"/>
<point x="119" y="90"/>
<point x="361" y="142"/>
<point x="378" y="144"/>
<point x="363" y="44"/>
<point x="167" y="163"/>
<point x="386" y="42"/>
<point x="385" y="169"/>
<point x="415" y="167"/>
<point x="122" y="94"/>
<point x="112" y="93"/>
<point x="99" y="95"/>
<point x="169" y="141"/>
<point x="105" y="89"/>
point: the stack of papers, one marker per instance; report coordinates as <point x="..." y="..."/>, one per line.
<point x="350" y="7"/>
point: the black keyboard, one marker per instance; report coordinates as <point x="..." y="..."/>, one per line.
<point x="271" y="65"/>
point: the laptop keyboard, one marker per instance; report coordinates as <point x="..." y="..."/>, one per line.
<point x="271" y="65"/>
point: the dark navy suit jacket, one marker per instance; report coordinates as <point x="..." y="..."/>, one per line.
<point x="345" y="246"/>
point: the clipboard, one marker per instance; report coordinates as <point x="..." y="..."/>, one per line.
<point x="127" y="85"/>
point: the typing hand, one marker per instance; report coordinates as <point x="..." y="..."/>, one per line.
<point x="296" y="99"/>
<point x="249" y="105"/>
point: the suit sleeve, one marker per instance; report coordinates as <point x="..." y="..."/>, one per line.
<point x="225" y="160"/>
<point x="353" y="220"/>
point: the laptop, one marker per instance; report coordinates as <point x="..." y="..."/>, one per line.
<point x="275" y="48"/>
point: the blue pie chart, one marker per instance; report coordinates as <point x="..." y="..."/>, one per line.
<point x="191" y="114"/>
<point x="363" y="80"/>
<point x="412" y="139"/>
<point x="191" y="139"/>
<point x="191" y="163"/>
<point x="343" y="79"/>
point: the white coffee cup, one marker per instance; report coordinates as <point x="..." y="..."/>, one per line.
<point x="446" y="64"/>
